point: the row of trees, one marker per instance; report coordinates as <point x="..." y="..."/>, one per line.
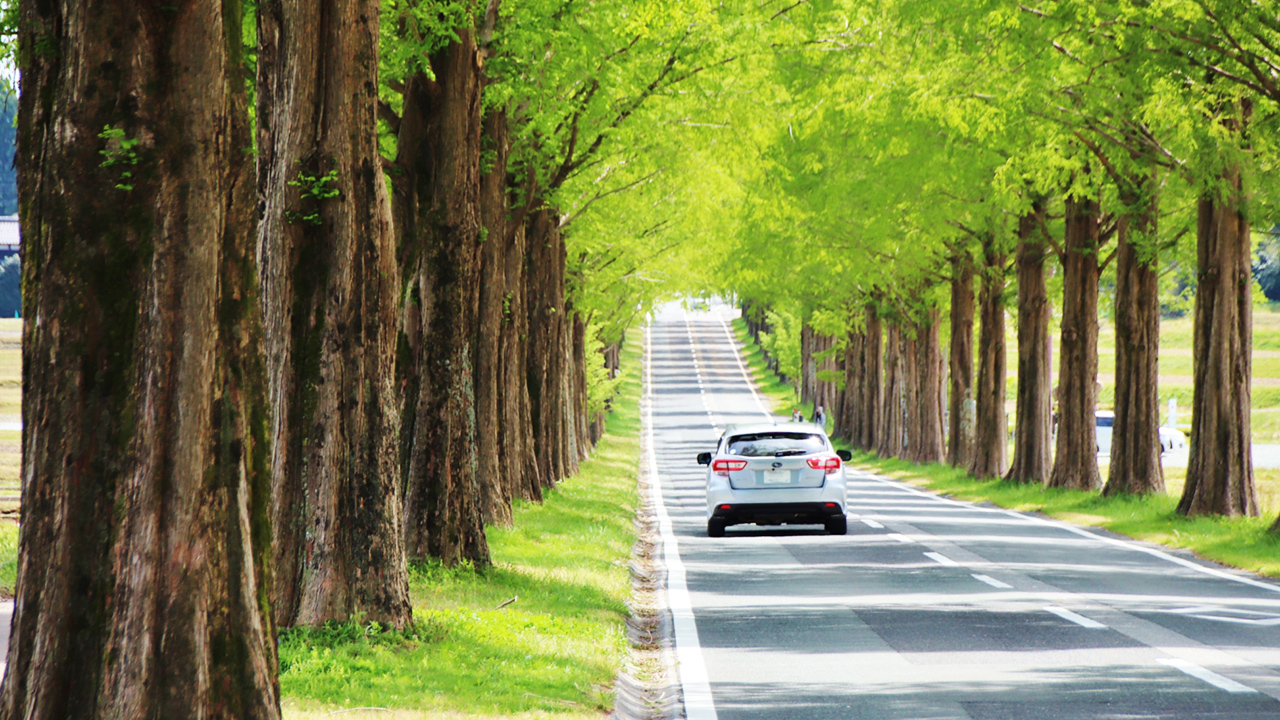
<point x="942" y="165"/>
<point x="306" y="300"/>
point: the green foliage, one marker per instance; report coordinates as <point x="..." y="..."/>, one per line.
<point x="312" y="190"/>
<point x="783" y="344"/>
<point x="120" y="151"/>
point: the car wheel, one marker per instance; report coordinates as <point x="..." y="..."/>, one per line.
<point x="715" y="527"/>
<point x="837" y="526"/>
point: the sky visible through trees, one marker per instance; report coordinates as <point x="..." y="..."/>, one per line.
<point x="290" y="273"/>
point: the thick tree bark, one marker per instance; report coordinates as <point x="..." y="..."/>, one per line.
<point x="990" y="421"/>
<point x="1033" y="421"/>
<point x="523" y="475"/>
<point x="960" y="360"/>
<point x="1220" y="469"/>
<point x="329" y="298"/>
<point x="889" y="430"/>
<point x="547" y="329"/>
<point x="1075" y="461"/>
<point x="928" y="442"/>
<point x="491" y="466"/>
<point x="143" y="570"/>
<point x="437" y="189"/>
<point x="1135" y="436"/>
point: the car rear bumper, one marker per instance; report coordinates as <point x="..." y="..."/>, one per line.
<point x="795" y="513"/>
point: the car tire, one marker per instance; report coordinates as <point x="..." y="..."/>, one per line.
<point x="715" y="527"/>
<point x="837" y="526"/>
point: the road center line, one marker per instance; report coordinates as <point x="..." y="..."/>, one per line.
<point x="992" y="581"/>
<point x="692" y="667"/>
<point x="1080" y="620"/>
<point x="902" y="538"/>
<point x="872" y="523"/>
<point x="941" y="559"/>
<point x="1209" y="676"/>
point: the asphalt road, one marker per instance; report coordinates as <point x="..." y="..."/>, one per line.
<point x="930" y="608"/>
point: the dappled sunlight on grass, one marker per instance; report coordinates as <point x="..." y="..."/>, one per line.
<point x="553" y="648"/>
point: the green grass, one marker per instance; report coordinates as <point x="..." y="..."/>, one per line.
<point x="1238" y="542"/>
<point x="553" y="652"/>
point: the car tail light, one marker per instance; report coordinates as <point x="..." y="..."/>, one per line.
<point x="826" y="464"/>
<point x="722" y="467"/>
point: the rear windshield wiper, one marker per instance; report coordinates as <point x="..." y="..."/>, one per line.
<point x="786" y="453"/>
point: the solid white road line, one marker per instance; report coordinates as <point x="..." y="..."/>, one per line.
<point x="941" y="559"/>
<point x="992" y="581"/>
<point x="1209" y="676"/>
<point x="902" y="538"/>
<point x="1080" y="620"/>
<point x="872" y="524"/>
<point x="694" y="681"/>
<point x="1082" y="532"/>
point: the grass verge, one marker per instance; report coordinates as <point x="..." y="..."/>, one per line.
<point x="553" y="652"/>
<point x="1239" y="542"/>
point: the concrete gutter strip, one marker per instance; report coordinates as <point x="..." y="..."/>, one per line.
<point x="648" y="687"/>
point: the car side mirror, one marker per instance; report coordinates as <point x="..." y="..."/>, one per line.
<point x="844" y="455"/>
<point x="704" y="458"/>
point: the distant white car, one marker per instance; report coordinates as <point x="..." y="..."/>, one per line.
<point x="1171" y="439"/>
<point x="775" y="474"/>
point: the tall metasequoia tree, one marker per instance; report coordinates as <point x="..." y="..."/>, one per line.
<point x="990" y="422"/>
<point x="1220" y="469"/>
<point x="142" y="579"/>
<point x="1135" y="436"/>
<point x="437" y="217"/>
<point x="926" y="441"/>
<point x="808" y="365"/>
<point x="863" y="388"/>
<point x="960" y="360"/>
<point x="549" y="328"/>
<point x="1032" y="435"/>
<point x="845" y="414"/>
<point x="329" y="282"/>
<point x="1075" y="461"/>
<point x="889" y="430"/>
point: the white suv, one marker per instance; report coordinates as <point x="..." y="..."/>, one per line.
<point x="775" y="474"/>
<point x="1171" y="439"/>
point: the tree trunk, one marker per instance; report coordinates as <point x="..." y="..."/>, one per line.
<point x="847" y="416"/>
<point x="1075" y="461"/>
<point x="929" y="442"/>
<point x="909" y="379"/>
<point x="1135" y="437"/>
<point x="990" y="423"/>
<point x="1033" y="421"/>
<point x="496" y="490"/>
<point x="437" y="217"/>
<point x="808" y="368"/>
<point x="328" y="280"/>
<point x="868" y="434"/>
<point x="1220" y="469"/>
<point x="960" y="354"/>
<point x="546" y="342"/>
<point x="889" y="431"/>
<point x="143" y="570"/>
<point x="523" y="476"/>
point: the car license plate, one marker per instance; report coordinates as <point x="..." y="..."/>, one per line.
<point x="777" y="477"/>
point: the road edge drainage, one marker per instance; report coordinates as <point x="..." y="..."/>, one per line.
<point x="648" y="688"/>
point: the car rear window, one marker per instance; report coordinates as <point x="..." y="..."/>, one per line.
<point x="772" y="443"/>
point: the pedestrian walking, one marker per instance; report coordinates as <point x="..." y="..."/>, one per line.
<point x="796" y="415"/>
<point x="820" y="417"/>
